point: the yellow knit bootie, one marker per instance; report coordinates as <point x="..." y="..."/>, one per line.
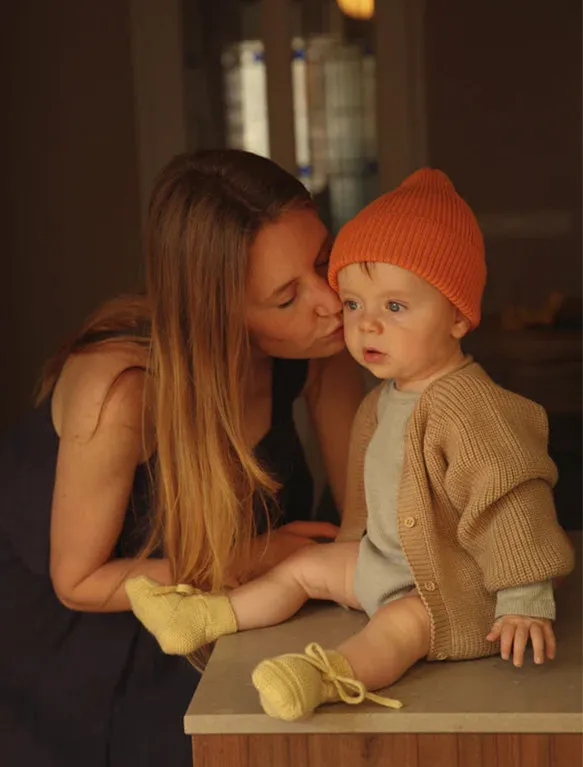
<point x="182" y="618"/>
<point x="292" y="686"/>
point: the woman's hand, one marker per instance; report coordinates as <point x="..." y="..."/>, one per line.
<point x="514" y="631"/>
<point x="273" y="547"/>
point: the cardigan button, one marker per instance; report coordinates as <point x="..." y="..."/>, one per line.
<point x="409" y="521"/>
<point x="429" y="586"/>
<point x="441" y="656"/>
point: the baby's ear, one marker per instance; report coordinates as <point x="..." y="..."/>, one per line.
<point x="460" y="327"/>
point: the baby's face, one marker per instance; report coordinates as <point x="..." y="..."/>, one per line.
<point x="398" y="325"/>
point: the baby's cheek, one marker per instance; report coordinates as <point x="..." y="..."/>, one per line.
<point x="351" y="337"/>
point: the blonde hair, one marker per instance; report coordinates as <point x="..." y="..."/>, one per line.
<point x="206" y="210"/>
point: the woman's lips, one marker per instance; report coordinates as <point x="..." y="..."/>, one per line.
<point x="373" y="355"/>
<point x="337" y="332"/>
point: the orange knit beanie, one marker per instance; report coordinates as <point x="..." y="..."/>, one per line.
<point x="423" y="226"/>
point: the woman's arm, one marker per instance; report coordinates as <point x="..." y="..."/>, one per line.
<point x="100" y="447"/>
<point x="334" y="391"/>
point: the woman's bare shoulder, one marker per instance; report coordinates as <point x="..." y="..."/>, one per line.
<point x="100" y="385"/>
<point x="340" y="373"/>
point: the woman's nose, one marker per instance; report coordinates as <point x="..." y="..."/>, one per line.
<point x="327" y="302"/>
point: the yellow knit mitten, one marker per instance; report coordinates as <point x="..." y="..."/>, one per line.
<point x="182" y="618"/>
<point x="292" y="686"/>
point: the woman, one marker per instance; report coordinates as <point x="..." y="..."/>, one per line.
<point x="164" y="444"/>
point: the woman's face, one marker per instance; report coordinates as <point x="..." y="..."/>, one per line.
<point x="291" y="310"/>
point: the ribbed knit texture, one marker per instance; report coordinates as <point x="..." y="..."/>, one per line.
<point x="475" y="510"/>
<point x="423" y="226"/>
<point x="291" y="686"/>
<point x="181" y="618"/>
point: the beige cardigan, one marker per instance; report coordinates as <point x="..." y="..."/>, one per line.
<point x="475" y="505"/>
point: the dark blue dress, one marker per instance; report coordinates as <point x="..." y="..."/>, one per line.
<point x="93" y="689"/>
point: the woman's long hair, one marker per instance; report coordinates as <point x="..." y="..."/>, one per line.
<point x="205" y="212"/>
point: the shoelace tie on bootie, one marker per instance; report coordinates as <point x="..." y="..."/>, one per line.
<point x="349" y="690"/>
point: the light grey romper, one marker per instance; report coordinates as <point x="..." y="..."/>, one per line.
<point x="382" y="573"/>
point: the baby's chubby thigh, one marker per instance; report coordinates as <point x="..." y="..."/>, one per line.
<point x="395" y="638"/>
<point x="326" y="571"/>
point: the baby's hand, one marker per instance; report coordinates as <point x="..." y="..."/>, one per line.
<point x="515" y="630"/>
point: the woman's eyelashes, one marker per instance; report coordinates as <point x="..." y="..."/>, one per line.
<point x="321" y="268"/>
<point x="286" y="303"/>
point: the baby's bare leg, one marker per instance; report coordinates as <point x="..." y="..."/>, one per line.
<point x="324" y="571"/>
<point x="396" y="637"/>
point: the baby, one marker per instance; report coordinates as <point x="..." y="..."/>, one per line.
<point x="449" y="540"/>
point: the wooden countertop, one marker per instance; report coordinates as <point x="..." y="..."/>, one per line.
<point x="486" y="695"/>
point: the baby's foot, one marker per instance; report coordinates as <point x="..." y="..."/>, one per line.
<point x="182" y="618"/>
<point x="292" y="686"/>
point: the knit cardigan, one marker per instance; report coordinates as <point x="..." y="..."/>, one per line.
<point x="475" y="505"/>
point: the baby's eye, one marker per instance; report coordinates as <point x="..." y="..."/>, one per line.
<point x="350" y="305"/>
<point x="394" y="306"/>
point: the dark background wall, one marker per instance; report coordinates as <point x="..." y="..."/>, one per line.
<point x="70" y="209"/>
<point x="503" y="83"/>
